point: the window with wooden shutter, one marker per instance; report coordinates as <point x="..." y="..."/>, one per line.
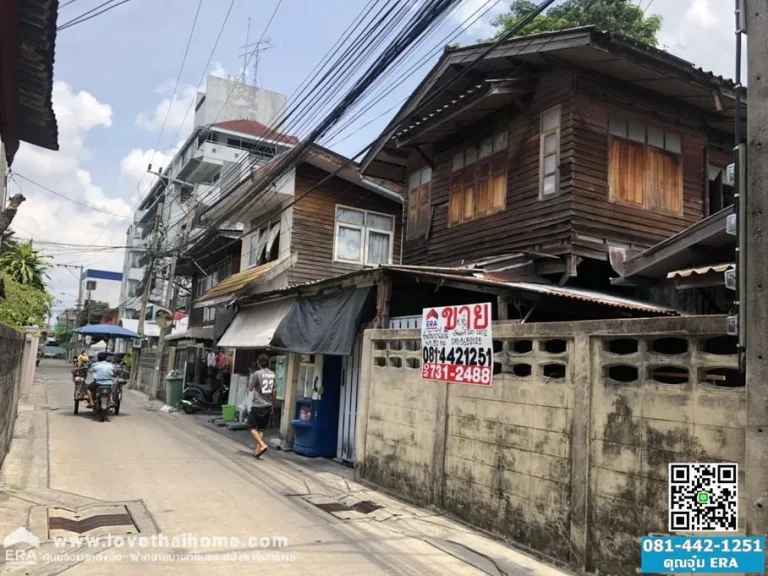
<point x="645" y="166"/>
<point x="418" y="202"/>
<point x="479" y="180"/>
<point x="549" y="153"/>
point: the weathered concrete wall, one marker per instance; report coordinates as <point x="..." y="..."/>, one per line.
<point x="567" y="452"/>
<point x="147" y="370"/>
<point x="11" y="349"/>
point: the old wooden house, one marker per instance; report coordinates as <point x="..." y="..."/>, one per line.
<point x="562" y="154"/>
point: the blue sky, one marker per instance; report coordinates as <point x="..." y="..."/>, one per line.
<point x="115" y="72"/>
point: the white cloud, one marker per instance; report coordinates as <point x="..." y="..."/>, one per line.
<point x="133" y="167"/>
<point x="700" y="31"/>
<point x="47" y="217"/>
<point x="178" y="109"/>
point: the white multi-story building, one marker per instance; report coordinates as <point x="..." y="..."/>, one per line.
<point x="100" y="286"/>
<point x="231" y="135"/>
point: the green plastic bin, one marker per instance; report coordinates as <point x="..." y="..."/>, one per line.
<point x="228" y="412"/>
<point x="173" y="383"/>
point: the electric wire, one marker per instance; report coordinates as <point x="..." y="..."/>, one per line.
<point x="80" y="19"/>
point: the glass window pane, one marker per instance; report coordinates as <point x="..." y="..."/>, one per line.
<point x="378" y="248"/>
<point x="415" y="180"/>
<point x="380" y="222"/>
<point x="550" y="164"/>
<point x="550" y="119"/>
<point x="471" y="156"/>
<point x="252" y="244"/>
<point x="549" y="185"/>
<point x="637" y="131"/>
<point x="550" y="144"/>
<point x="673" y="143"/>
<point x="486" y="148"/>
<point x="349" y="242"/>
<point x="458" y="160"/>
<point x="349" y="216"/>
<point x="655" y="137"/>
<point x="500" y="141"/>
<point x="617" y="126"/>
<point x="426" y="175"/>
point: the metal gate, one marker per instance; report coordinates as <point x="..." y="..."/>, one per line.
<point x="350" y="384"/>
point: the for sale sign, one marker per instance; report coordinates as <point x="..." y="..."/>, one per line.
<point x="456" y="344"/>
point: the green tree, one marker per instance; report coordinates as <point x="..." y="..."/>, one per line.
<point x="24" y="264"/>
<point x="93" y="311"/>
<point x="621" y="16"/>
<point x="23" y="305"/>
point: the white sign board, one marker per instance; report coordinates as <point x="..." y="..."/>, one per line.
<point x="456" y="344"/>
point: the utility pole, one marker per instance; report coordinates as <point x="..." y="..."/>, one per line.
<point x="753" y="19"/>
<point x="147" y="288"/>
<point x="171" y="294"/>
<point x="73" y="339"/>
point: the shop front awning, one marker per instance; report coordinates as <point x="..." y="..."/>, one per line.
<point x="254" y="327"/>
<point x="323" y="324"/>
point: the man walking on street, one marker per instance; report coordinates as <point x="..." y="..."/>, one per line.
<point x="262" y="384"/>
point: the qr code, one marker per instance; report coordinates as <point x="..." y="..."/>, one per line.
<point x="703" y="497"/>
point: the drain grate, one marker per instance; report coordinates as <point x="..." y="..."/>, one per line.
<point x="95" y="520"/>
<point x="364" y="507"/>
<point x="88" y="524"/>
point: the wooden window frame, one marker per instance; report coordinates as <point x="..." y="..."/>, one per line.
<point x="647" y="148"/>
<point x="365" y="233"/>
<point x="543" y="155"/>
<point x="486" y="170"/>
<point x="420" y="195"/>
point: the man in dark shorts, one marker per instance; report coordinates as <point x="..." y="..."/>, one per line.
<point x="262" y="384"/>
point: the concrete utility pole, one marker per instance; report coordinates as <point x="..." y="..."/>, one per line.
<point x="171" y="295"/>
<point x="756" y="257"/>
<point x="73" y="340"/>
<point x="147" y="288"/>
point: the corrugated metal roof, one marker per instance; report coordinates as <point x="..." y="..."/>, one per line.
<point x="685" y="272"/>
<point x="235" y="282"/>
<point x="257" y="129"/>
<point x="483" y="279"/>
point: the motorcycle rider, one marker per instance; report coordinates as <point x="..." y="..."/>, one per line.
<point x="103" y="374"/>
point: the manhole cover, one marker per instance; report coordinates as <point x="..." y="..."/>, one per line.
<point x="93" y="521"/>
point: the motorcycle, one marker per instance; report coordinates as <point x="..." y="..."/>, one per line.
<point x="198" y="397"/>
<point x="101" y="405"/>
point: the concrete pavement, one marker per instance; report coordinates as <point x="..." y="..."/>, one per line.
<point x="197" y="491"/>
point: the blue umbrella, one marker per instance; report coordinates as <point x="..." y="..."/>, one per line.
<point x="106" y="331"/>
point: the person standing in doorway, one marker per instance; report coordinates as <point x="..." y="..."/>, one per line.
<point x="262" y="384"/>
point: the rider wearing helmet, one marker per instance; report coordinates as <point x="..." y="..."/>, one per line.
<point x="103" y="375"/>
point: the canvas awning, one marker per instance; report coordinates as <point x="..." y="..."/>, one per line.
<point x="323" y="324"/>
<point x="253" y="327"/>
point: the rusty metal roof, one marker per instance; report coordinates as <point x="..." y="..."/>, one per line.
<point x="480" y="278"/>
<point x="258" y="130"/>
<point x="234" y="283"/>
<point x="37" y="42"/>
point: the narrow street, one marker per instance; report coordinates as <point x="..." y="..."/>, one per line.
<point x="176" y="477"/>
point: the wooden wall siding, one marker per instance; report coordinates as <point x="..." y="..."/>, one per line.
<point x="526" y="223"/>
<point x="195" y="314"/>
<point x="594" y="215"/>
<point x="314" y="223"/>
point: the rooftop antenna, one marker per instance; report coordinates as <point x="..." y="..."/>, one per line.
<point x="254" y="50"/>
<point x="247" y="43"/>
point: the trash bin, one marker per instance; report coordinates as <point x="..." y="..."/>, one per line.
<point x="173" y="382"/>
<point x="228" y="412"/>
